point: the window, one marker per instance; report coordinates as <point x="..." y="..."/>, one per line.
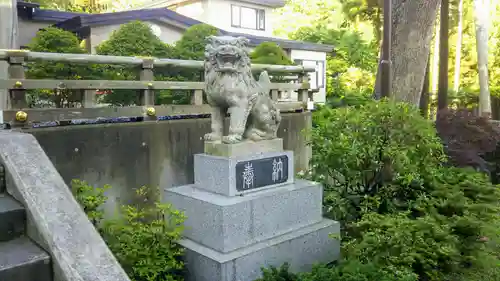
<point x="317" y="78"/>
<point x="249" y="18"/>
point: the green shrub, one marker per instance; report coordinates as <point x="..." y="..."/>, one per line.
<point x="143" y="239"/>
<point x="191" y="46"/>
<point x="131" y="39"/>
<point x="401" y="208"/>
<point x="281" y="273"/>
<point x="270" y="53"/>
<point x="345" y="271"/>
<point x="91" y="199"/>
<point x="356" y="271"/>
<point x="134" y="39"/>
<point x="378" y="152"/>
<point x="55" y="40"/>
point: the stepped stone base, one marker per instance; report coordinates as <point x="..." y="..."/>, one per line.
<point x="300" y="248"/>
<point x="228" y="223"/>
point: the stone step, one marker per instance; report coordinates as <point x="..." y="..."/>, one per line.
<point x="227" y="175"/>
<point x="12" y="218"/>
<point x="301" y="249"/>
<point x="227" y="223"/>
<point x="22" y="260"/>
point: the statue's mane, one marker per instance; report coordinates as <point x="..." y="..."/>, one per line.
<point x="243" y="75"/>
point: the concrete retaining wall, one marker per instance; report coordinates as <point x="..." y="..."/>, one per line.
<point x="129" y="155"/>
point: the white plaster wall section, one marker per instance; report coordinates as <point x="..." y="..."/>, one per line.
<point x="168" y="34"/>
<point x="195" y="10"/>
<point x="309" y="58"/>
<point x="28" y="30"/>
<point x="219" y="15"/>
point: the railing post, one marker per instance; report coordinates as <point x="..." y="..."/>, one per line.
<point x="17" y="95"/>
<point x="197" y="97"/>
<point x="89" y="98"/>
<point x="148" y="95"/>
<point x="275" y="95"/>
<point x="303" y="93"/>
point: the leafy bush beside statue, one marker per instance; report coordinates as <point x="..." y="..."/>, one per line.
<point x="406" y="214"/>
<point x="143" y="237"/>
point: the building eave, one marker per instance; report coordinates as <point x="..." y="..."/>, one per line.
<point x="80" y="24"/>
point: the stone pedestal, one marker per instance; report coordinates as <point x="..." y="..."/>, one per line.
<point x="246" y="211"/>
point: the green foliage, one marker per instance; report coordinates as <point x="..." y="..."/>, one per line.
<point x="270" y="53"/>
<point x="134" y="39"/>
<point x="401" y="209"/>
<point x="360" y="152"/>
<point x="278" y="274"/>
<point x="131" y="39"/>
<point x="350" y="69"/>
<point x="367" y="10"/>
<point x="91" y="199"/>
<point x="55" y="40"/>
<point x="144" y="239"/>
<point x="191" y="46"/>
<point x="352" y="270"/>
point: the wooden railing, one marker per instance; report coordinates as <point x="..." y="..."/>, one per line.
<point x="17" y="85"/>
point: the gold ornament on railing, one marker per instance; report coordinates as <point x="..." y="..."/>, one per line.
<point x="150" y="85"/>
<point x="18" y="84"/>
<point x="151" y="111"/>
<point x="21" y="116"/>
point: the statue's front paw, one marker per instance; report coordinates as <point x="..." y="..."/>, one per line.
<point x="232" y="138"/>
<point x="212" y="137"/>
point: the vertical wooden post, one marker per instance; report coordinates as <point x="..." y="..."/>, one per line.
<point x="197" y="97"/>
<point x="148" y="95"/>
<point x="275" y="95"/>
<point x="303" y="94"/>
<point x="8" y="40"/>
<point x="17" y="96"/>
<point x="89" y="98"/>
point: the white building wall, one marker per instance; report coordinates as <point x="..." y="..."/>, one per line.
<point x="167" y="34"/>
<point x="28" y="29"/>
<point x="197" y="10"/>
<point x="219" y="15"/>
<point x="310" y="58"/>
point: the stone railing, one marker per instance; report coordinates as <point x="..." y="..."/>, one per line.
<point x="55" y="221"/>
<point x="17" y="113"/>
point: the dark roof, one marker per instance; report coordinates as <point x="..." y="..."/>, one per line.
<point x="284" y="43"/>
<point x="267" y="3"/>
<point x="80" y="23"/>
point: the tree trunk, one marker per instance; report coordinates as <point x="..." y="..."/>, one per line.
<point x="481" y="16"/>
<point x="412" y="24"/>
<point x="458" y="48"/>
<point x="443" y="55"/>
<point x="425" y="96"/>
<point x="8" y="40"/>
<point x="435" y="60"/>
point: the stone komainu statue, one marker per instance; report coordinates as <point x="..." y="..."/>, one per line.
<point x="231" y="87"/>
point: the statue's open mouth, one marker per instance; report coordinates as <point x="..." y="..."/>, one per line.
<point x="227" y="62"/>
